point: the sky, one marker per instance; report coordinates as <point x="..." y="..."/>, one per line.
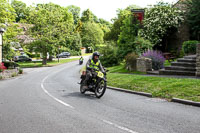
<point x="105" y="9"/>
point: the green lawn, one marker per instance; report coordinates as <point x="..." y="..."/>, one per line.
<point x="87" y="54"/>
<point x="121" y="69"/>
<point x="49" y="63"/>
<point x="159" y="86"/>
<point x="167" y="63"/>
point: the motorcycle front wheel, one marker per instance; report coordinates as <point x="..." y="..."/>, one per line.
<point x="100" y="89"/>
<point x="82" y="89"/>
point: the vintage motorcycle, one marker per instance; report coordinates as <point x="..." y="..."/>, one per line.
<point x="80" y="61"/>
<point x="96" y="84"/>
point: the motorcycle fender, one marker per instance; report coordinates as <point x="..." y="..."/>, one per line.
<point x="83" y="76"/>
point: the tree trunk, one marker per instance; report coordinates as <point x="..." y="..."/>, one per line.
<point x="44" y="60"/>
<point x="50" y="58"/>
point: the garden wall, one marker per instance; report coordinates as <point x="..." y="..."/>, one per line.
<point x="9" y="73"/>
<point x="144" y="64"/>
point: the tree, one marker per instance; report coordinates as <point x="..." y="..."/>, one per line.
<point x="52" y="27"/>
<point x="7" y="13"/>
<point x="87" y="16"/>
<point x="105" y="25"/>
<point x="129" y="31"/>
<point x="116" y="27"/>
<point x="159" y="20"/>
<point x="91" y="34"/>
<point x="90" y="31"/>
<point x="7" y="17"/>
<point x="75" y="12"/>
<point x="130" y="7"/>
<point x="193" y="18"/>
<point x="20" y="9"/>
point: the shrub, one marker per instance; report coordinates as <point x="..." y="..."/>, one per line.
<point x="2" y="67"/>
<point x="109" y="57"/>
<point x="156" y="57"/>
<point x="34" y="55"/>
<point x="131" y="60"/>
<point x="29" y="54"/>
<point x="142" y="45"/>
<point x="13" y="74"/>
<point x="20" y="71"/>
<point x="73" y="52"/>
<point x="9" y="64"/>
<point x="189" y="47"/>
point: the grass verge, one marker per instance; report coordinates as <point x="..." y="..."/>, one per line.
<point x="162" y="87"/>
<point x="49" y="63"/>
<point x="121" y="69"/>
<point x="87" y="54"/>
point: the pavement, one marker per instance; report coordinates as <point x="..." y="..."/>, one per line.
<point x="177" y="100"/>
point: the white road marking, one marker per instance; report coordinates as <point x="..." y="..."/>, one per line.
<point x="68" y="105"/>
<point x="120" y="127"/>
<point x="56" y="99"/>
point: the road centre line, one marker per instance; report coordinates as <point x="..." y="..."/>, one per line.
<point x="118" y="126"/>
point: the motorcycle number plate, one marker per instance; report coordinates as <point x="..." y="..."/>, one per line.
<point x="100" y="74"/>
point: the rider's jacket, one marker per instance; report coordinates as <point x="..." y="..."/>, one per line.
<point x="81" y="59"/>
<point x="92" y="64"/>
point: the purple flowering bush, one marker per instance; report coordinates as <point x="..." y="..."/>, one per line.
<point x="156" y="57"/>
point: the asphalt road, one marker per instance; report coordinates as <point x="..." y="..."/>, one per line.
<point x="48" y="100"/>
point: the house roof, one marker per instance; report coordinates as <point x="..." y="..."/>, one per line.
<point x="180" y="4"/>
<point x="25" y="38"/>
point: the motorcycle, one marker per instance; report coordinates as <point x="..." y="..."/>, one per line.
<point x="97" y="84"/>
<point x="80" y="62"/>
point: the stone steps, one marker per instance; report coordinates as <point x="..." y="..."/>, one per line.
<point x="190" y="57"/>
<point x="176" y="72"/>
<point x="180" y="68"/>
<point x="185" y="66"/>
<point x="186" y="60"/>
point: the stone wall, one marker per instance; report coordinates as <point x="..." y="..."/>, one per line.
<point x="198" y="61"/>
<point x="1" y="48"/>
<point x="144" y="64"/>
<point x="9" y="73"/>
<point x="176" y="39"/>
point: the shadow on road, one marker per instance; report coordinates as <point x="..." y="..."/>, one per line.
<point x="87" y="95"/>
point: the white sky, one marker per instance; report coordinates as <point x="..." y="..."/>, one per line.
<point x="105" y="9"/>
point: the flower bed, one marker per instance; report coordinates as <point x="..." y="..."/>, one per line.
<point x="9" y="73"/>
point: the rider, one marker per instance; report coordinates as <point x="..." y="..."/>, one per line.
<point x="81" y="59"/>
<point x="92" y="65"/>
